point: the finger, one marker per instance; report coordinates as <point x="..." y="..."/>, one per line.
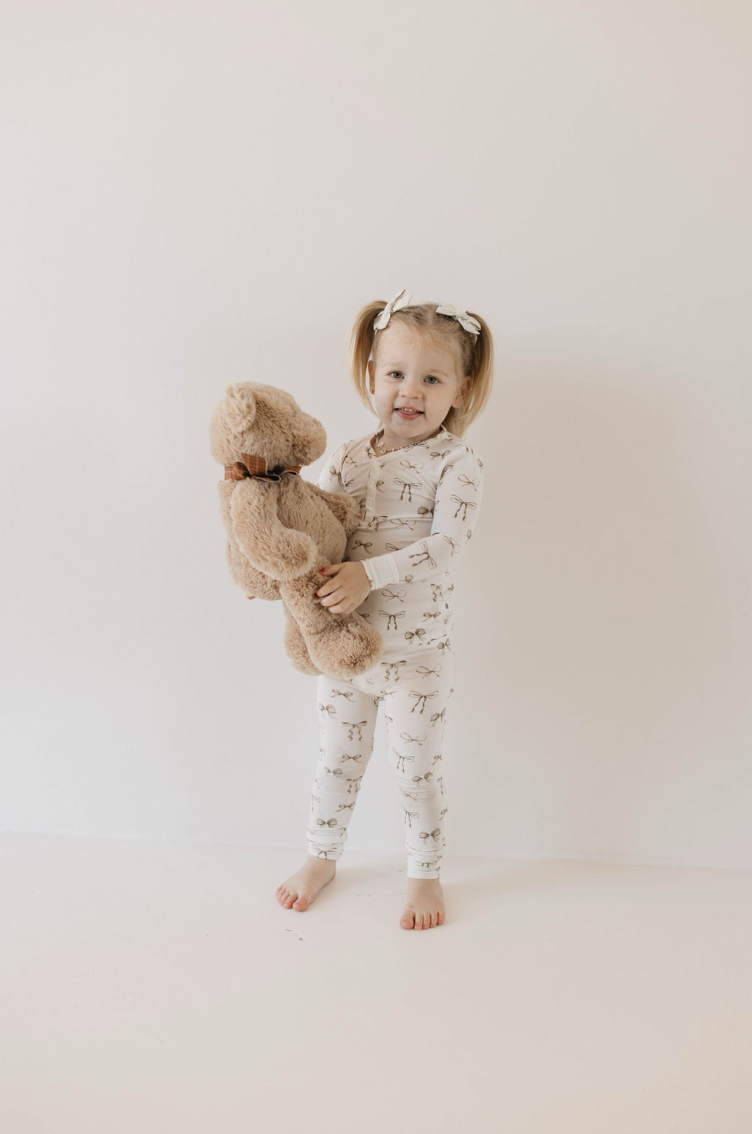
<point x="343" y="607"/>
<point x="329" y="600"/>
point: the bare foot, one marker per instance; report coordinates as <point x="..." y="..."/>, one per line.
<point x="425" y="904"/>
<point x="301" y="888"/>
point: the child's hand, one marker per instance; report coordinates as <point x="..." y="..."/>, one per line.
<point x="346" y="590"/>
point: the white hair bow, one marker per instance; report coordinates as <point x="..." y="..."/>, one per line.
<point x="394" y="304"/>
<point x="467" y="321"/>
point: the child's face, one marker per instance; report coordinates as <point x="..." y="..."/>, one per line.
<point x="412" y="373"/>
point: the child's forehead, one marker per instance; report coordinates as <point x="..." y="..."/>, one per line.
<point x="399" y="344"/>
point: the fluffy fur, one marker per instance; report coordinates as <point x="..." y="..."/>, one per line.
<point x="281" y="532"/>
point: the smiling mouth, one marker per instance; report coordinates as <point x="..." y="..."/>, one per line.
<point x="409" y="413"/>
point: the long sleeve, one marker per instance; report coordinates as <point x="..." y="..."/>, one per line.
<point x="330" y="477"/>
<point x="458" y="499"/>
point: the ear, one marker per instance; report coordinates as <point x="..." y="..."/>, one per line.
<point x="238" y="407"/>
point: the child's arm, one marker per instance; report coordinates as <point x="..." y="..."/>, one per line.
<point x="458" y="499"/>
<point x="330" y="477"/>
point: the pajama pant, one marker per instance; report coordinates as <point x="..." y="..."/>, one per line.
<point x="414" y="687"/>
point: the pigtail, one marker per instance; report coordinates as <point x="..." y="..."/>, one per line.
<point x="360" y="345"/>
<point x="479" y="365"/>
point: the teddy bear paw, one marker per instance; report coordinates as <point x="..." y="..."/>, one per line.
<point x="346" y="648"/>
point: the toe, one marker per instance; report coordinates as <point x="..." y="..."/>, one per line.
<point x="407" y="920"/>
<point x="301" y="903"/>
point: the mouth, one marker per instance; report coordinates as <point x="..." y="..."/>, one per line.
<point x="409" y="415"/>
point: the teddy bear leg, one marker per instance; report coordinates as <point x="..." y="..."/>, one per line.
<point x="341" y="645"/>
<point x="295" y="646"/>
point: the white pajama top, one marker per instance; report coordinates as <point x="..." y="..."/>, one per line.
<point x="420" y="505"/>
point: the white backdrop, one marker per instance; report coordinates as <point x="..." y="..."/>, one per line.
<point x="197" y="194"/>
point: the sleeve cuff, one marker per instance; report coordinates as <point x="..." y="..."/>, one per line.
<point x="381" y="571"/>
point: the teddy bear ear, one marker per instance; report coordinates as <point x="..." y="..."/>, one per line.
<point x="239" y="406"/>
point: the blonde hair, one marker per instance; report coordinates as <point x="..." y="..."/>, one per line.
<point x="473" y="353"/>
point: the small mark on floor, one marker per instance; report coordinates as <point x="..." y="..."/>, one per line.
<point x="295" y="934"/>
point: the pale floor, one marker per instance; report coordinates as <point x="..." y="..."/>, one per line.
<point x="161" y="987"/>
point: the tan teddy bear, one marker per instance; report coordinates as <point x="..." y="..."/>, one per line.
<point x="282" y="529"/>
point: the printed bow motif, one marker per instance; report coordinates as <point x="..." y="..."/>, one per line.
<point x="407" y="486"/>
<point x="424" y="697"/>
<point x="468" y="322"/>
<point x="462" y="504"/>
<point x="395" y="303"/>
<point x="392" y="617"/>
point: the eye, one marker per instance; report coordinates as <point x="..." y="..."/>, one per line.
<point x="431" y="378"/>
<point x="393" y="372"/>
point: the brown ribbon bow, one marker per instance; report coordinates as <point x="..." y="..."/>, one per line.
<point x="254" y="466"/>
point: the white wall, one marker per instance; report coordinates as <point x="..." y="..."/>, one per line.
<point x="196" y="194"/>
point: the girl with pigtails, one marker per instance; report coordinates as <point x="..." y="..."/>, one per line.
<point x="425" y="370"/>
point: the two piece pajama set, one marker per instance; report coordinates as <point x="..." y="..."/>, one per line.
<point x="420" y="505"/>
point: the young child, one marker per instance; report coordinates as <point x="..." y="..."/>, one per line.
<point x="429" y="370"/>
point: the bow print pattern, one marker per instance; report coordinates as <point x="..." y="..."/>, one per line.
<point x="435" y="834"/>
<point x="462" y="504"/>
<point x="422" y="697"/>
<point x="417" y="507"/>
<point x="423" y="556"/>
<point x="392" y="618"/>
<point x="401" y="761"/>
<point x="407" y="487"/>
<point x="346" y="747"/>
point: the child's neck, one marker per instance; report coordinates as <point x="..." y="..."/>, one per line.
<point x="377" y="444"/>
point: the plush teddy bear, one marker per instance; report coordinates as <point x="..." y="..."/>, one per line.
<point x="281" y="529"/>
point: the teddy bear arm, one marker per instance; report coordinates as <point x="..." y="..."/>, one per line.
<point x="280" y="552"/>
<point x="344" y="507"/>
